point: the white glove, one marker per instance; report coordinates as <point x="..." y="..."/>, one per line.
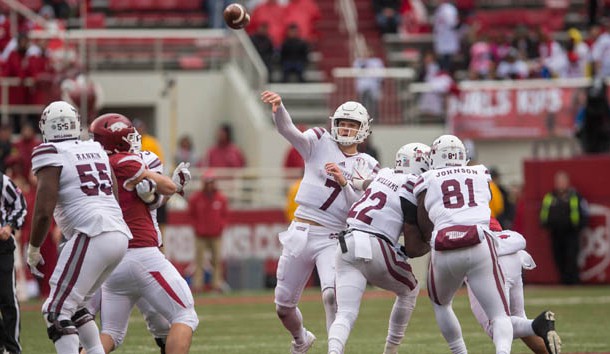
<point x="146" y="190"/>
<point x="35" y="259"/>
<point x="182" y="176"/>
<point x="360" y="173"/>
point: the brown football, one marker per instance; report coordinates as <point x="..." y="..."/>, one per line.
<point x="236" y="16"/>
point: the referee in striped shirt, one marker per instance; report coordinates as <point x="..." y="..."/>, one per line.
<point x="12" y="213"/>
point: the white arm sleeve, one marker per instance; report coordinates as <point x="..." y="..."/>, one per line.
<point x="286" y="127"/>
<point x="351" y="194"/>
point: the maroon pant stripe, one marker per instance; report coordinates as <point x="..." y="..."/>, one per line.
<point x="168" y="289"/>
<point x="70" y="274"/>
<point x="431" y="286"/>
<point x="401" y="278"/>
<point x="497" y="277"/>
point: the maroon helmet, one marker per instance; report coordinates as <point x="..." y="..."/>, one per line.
<point x="114" y="131"/>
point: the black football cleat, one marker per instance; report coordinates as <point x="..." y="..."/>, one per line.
<point x="544" y="327"/>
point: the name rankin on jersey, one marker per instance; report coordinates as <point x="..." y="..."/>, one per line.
<point x="450" y="171"/>
<point x="388" y="183"/>
<point x="88" y="156"/>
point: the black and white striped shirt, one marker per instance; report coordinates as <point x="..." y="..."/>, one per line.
<point x="12" y="204"/>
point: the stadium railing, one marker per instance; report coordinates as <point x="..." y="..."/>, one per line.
<point x="246" y="188"/>
<point x="6" y="107"/>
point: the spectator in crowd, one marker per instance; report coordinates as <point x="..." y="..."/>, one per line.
<point x="15" y="66"/>
<point x="600" y="48"/>
<point x="5" y="30"/>
<point x="208" y="209"/>
<point x="594" y="131"/>
<point x="23" y="147"/>
<point x="294" y="55"/>
<point x="305" y="14"/>
<point x="224" y="153"/>
<point x="446" y="35"/>
<point x="5" y="145"/>
<point x="481" y="65"/>
<point x="149" y="142"/>
<point x="61" y="8"/>
<point x="506" y="216"/>
<point x="512" y="67"/>
<point x="12" y="211"/>
<point x="496" y="204"/>
<point x="185" y="152"/>
<point x="432" y="103"/>
<point x="553" y="59"/>
<point x="525" y="44"/>
<point x="500" y="46"/>
<point x="272" y="13"/>
<point x="40" y="69"/>
<point x="369" y="87"/>
<point x="579" y="55"/>
<point x="414" y="17"/>
<point x="387" y="15"/>
<point x="293" y="159"/>
<point x="564" y="214"/>
<point x="264" y="46"/>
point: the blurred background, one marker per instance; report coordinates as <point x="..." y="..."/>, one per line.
<point x="523" y="83"/>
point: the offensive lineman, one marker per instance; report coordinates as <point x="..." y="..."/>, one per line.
<point x="144" y="272"/>
<point x="369" y="250"/>
<point x="324" y="197"/>
<point x="77" y="186"/>
<point x="455" y="199"/>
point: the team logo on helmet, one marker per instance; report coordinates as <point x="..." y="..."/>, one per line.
<point x="118" y="126"/>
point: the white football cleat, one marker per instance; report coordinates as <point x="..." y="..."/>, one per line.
<point x="304" y="347"/>
<point x="390" y="348"/>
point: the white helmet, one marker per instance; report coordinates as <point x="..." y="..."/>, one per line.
<point x="350" y="110"/>
<point x="413" y="158"/>
<point x="447" y="151"/>
<point x="135" y="140"/>
<point x="59" y="121"/>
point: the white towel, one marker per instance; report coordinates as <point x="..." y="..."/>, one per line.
<point x="362" y="245"/>
<point x="295" y="238"/>
<point x="527" y="262"/>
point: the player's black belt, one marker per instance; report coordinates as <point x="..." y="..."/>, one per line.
<point x="342" y="234"/>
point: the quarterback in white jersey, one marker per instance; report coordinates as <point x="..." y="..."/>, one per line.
<point x="455" y="199"/>
<point x="77" y="186"/>
<point x="369" y="249"/>
<point x="512" y="258"/>
<point x="324" y="197"/>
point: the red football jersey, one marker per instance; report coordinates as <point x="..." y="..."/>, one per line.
<point x="128" y="167"/>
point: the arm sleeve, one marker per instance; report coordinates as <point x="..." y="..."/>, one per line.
<point x="18" y="207"/>
<point x="351" y="194"/>
<point x="288" y="130"/>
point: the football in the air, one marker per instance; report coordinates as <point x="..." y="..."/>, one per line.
<point x="236" y="16"/>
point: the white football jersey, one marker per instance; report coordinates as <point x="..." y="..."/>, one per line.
<point x="320" y="198"/>
<point x="85" y="202"/>
<point x="154" y="164"/>
<point x="379" y="210"/>
<point x="456" y="195"/>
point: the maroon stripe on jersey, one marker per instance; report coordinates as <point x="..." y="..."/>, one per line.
<point x="419" y="181"/>
<point x="318" y="132"/>
<point x="431" y="286"/>
<point x="391" y="265"/>
<point x="410" y="183"/>
<point x="498" y="277"/>
<point x="168" y="289"/>
<point x="70" y="273"/>
<point x="407" y="187"/>
<point x="376" y="168"/>
<point x="155" y="163"/>
<point x="44" y="150"/>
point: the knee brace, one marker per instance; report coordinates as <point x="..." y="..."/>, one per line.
<point x="59" y="328"/>
<point x="328" y="297"/>
<point x="81" y="317"/>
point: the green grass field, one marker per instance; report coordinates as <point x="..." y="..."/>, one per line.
<point x="246" y="323"/>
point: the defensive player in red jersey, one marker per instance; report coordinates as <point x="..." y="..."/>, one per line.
<point x="144" y="271"/>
